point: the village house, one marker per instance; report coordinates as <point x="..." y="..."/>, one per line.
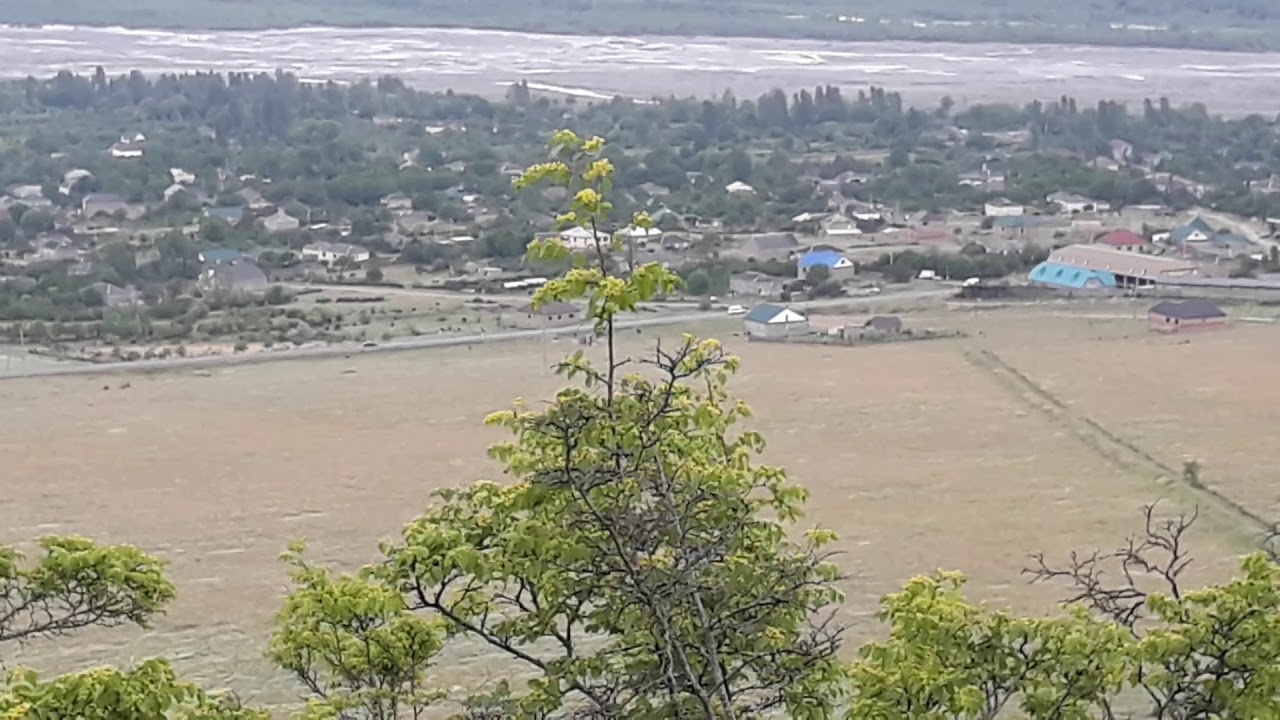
<point x="331" y="252"/>
<point x="1123" y="240"/>
<point x="174" y="190"/>
<point x="808" y="217"/>
<point x="1184" y="315"/>
<point x="182" y="177"/>
<point x="73" y="176"/>
<point x="653" y="189"/>
<point x="1103" y="163"/>
<point x="840" y="226"/>
<point x="1196" y="231"/>
<point x="767" y="246"/>
<point x="95" y="204"/>
<point x="253" y="199"/>
<point x="756" y="284"/>
<point x="578" y="238"/>
<point x="397" y="203"/>
<point x="280" y="222"/>
<point x="550" y="314"/>
<point x="1072" y="203"/>
<point x="1121" y="151"/>
<point x="56" y="247"/>
<point x="839" y="266"/>
<point x="1002" y="207"/>
<point x="114" y="296"/>
<point x="641" y="236"/>
<point x="1108" y="267"/>
<point x="416" y="222"/>
<point x="25" y="192"/>
<point x="126" y="150"/>
<point x="738" y="187"/>
<point x="774" y="321"/>
<point x="239" y="278"/>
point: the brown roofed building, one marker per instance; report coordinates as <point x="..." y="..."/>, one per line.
<point x="1125" y="240"/>
<point x="1181" y="315"/>
<point x="1130" y="269"/>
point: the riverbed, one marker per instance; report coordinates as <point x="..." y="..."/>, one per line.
<point x="486" y="61"/>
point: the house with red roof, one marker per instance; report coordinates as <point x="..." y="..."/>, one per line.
<point x="1125" y="240"/>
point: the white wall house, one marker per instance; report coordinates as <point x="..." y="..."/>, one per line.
<point x="738" y="187"/>
<point x="840" y="227"/>
<point x="1072" y="203"/>
<point x="126" y="150"/>
<point x="578" y="238"/>
<point x="774" y="321"/>
<point x="329" y="252"/>
<point x="1003" y="208"/>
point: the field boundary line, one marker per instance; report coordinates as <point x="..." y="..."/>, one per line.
<point x="1108" y="445"/>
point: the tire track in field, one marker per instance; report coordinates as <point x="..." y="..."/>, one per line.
<point x="1121" y="453"/>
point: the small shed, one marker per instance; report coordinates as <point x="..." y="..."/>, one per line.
<point x="1180" y="315"/>
<point x="774" y="321"/>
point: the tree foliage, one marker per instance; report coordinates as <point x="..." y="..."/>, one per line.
<point x="75" y="584"/>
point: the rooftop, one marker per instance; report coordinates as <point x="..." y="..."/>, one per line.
<point x="1121" y="238"/>
<point x="1188" y="309"/>
<point x="1119" y="262"/>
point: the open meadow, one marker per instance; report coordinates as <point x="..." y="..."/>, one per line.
<point x="1040" y="430"/>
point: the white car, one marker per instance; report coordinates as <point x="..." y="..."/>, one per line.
<point x="737" y="310"/>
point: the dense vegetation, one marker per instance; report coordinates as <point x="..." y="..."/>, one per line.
<point x="641" y="563"/>
<point x="1219" y="24"/>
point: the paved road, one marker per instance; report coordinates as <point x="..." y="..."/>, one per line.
<point x="423" y="343"/>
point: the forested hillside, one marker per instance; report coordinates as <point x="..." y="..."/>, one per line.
<point x="1223" y="24"/>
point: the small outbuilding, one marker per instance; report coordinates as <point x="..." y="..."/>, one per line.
<point x="550" y="314"/>
<point x="774" y="321"/>
<point x="1180" y="315"/>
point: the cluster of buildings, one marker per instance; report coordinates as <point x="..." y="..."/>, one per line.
<point x="1123" y="259"/>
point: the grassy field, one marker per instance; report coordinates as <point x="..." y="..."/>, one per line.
<point x="1036" y="432"/>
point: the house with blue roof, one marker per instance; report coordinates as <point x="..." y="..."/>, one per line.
<point x="840" y="267"/>
<point x="1071" y="277"/>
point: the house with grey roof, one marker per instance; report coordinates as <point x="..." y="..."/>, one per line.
<point x="95" y="204"/>
<point x="756" y="284"/>
<point x="280" y="222"/>
<point x="549" y="314"/>
<point x="767" y="246"/>
<point x="770" y="321"/>
<point x="239" y="278"/>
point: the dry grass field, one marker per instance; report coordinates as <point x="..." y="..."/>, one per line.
<point x="924" y="455"/>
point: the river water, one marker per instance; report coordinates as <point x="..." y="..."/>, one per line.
<point x="484" y="61"/>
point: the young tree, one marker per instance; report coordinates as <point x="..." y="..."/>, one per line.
<point x="639" y="561"/>
<point x="350" y="642"/>
<point x="76" y="584"/>
<point x="947" y="658"/>
<point x="1208" y="653"/>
